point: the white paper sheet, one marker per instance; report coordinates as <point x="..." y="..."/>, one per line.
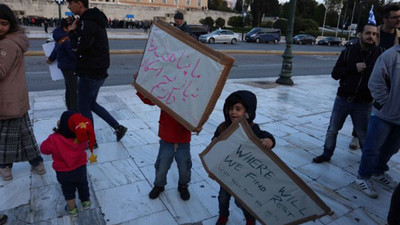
<point x="55" y="73"/>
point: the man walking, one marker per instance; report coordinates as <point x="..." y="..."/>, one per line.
<point x="353" y="69"/>
<point x="89" y="39"/>
<point x="383" y="136"/>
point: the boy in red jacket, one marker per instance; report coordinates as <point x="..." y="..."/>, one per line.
<point x="67" y="146"/>
<point x="174" y="143"/>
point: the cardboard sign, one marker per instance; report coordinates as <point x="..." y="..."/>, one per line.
<point x="259" y="179"/>
<point x="182" y="76"/>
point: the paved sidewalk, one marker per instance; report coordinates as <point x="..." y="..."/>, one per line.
<point x="120" y="181"/>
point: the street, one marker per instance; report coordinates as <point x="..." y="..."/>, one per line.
<point x="36" y="45"/>
<point x="124" y="66"/>
<point x="246" y="66"/>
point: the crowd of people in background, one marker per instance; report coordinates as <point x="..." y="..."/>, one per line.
<point x="37" y="21"/>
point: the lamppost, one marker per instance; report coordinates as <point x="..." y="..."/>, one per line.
<point x="243" y="22"/>
<point x="59" y="3"/>
<point x="286" y="71"/>
<point x="244" y="14"/>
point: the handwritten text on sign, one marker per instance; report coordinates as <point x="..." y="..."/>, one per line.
<point x="178" y="75"/>
<point x="265" y="189"/>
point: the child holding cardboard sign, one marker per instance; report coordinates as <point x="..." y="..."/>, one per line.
<point x="174" y="143"/>
<point x="236" y="105"/>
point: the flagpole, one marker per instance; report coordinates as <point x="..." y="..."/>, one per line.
<point x="338" y="21"/>
<point x="323" y="24"/>
<point x="352" y="16"/>
<point x="345" y="16"/>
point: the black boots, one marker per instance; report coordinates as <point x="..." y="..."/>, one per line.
<point x="183" y="190"/>
<point x="155" y="192"/>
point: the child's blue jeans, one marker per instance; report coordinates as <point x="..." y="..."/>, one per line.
<point x="166" y="154"/>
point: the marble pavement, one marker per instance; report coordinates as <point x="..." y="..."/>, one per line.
<point x="120" y="181"/>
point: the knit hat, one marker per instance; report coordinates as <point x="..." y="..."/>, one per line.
<point x="83" y="129"/>
<point x="178" y="16"/>
<point x="74" y="125"/>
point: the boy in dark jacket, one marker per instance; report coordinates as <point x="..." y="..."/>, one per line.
<point x="236" y="105"/>
<point x="66" y="62"/>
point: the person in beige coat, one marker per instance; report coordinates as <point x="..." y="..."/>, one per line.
<point x="388" y="33"/>
<point x="17" y="141"/>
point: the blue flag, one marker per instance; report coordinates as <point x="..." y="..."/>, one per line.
<point x="371" y="18"/>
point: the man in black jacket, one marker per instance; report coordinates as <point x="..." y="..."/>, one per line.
<point x="89" y="40"/>
<point x="353" y="69"/>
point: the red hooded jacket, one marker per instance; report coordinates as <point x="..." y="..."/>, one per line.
<point x="169" y="129"/>
<point x="66" y="153"/>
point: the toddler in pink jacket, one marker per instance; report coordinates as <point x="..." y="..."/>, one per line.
<point x="67" y="147"/>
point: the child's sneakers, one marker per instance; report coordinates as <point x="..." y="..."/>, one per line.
<point x="222" y="220"/>
<point x="183" y="190"/>
<point x="72" y="212"/>
<point x="250" y="221"/>
<point x="86" y="204"/>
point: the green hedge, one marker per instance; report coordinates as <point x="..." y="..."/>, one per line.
<point x="239" y="30"/>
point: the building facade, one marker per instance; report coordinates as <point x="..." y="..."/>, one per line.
<point x="180" y="4"/>
<point x="120" y="9"/>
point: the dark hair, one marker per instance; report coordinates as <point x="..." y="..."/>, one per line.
<point x="84" y="2"/>
<point x="389" y="8"/>
<point x="178" y="16"/>
<point x="64" y="23"/>
<point x="7" y="14"/>
<point x="360" y="29"/>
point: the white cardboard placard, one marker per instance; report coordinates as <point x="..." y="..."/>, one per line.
<point x="262" y="182"/>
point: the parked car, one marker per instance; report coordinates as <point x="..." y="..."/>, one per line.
<point x="259" y="34"/>
<point x="219" y="36"/>
<point x="198" y="30"/>
<point x="330" y="41"/>
<point x="303" y="39"/>
<point x="351" y="42"/>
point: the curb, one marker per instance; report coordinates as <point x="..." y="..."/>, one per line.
<point x="137" y="51"/>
